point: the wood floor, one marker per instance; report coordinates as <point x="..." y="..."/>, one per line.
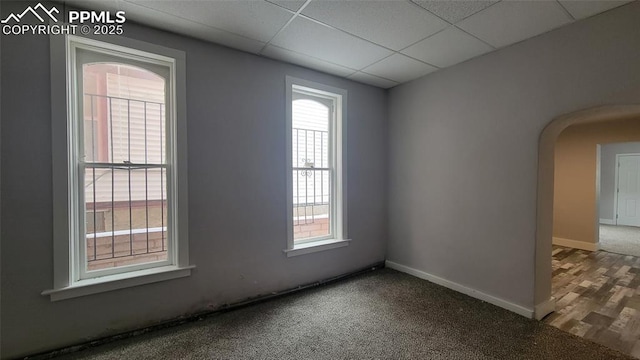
<point x="598" y="297"/>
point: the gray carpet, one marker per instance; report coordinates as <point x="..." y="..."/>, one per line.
<point x="382" y="314"/>
<point x="620" y="239"/>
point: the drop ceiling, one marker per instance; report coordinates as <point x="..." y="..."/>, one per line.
<point x="378" y="42"/>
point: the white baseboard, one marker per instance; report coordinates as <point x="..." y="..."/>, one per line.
<point x="582" y="245"/>
<point x="544" y="308"/>
<point x="520" y="310"/>
<point x="607" y="222"/>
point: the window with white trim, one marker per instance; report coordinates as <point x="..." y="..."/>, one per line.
<point x="125" y="213"/>
<point x="315" y="158"/>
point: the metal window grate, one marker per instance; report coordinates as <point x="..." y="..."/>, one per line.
<point x="312" y="167"/>
<point x="125" y="178"/>
<point x="311" y="183"/>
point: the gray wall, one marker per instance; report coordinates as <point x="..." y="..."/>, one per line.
<point x="464" y="142"/>
<point x="608" y="154"/>
<point x="237" y="225"/>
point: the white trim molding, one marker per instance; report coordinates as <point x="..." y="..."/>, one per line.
<point x="315" y="246"/>
<point x="518" y="309"/>
<point x="335" y="99"/>
<point x="118" y="281"/>
<point x="544" y="209"/>
<point x="576" y="244"/>
<point x="544" y="308"/>
<point x="70" y="275"/>
<point x="607" y="221"/>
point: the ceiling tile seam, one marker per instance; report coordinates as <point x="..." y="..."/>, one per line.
<point x="298" y="13"/>
<point x="571" y="20"/>
<point x="566" y="11"/>
<point x="476" y="37"/>
<point x="449" y="22"/>
<point x="538" y="35"/>
<point x="344" y="32"/>
<point x="295" y="15"/>
<point x="195" y="22"/>
<point x="438" y="67"/>
<point x="312" y="57"/>
<point x="457" y="22"/>
<point x="280" y="6"/>
<point x="379" y="77"/>
<point x="412" y="58"/>
<point x="479" y="11"/>
<point x="353" y="73"/>
<point x="434" y="34"/>
<point x="363" y="39"/>
<point x="394" y="53"/>
<point x="296" y="52"/>
<point x="377" y="61"/>
<point x="453" y="24"/>
<point x="568" y="14"/>
<point x="473" y="35"/>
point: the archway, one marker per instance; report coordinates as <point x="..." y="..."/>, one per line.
<point x="544" y="214"/>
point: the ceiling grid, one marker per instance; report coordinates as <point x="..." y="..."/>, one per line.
<point x="382" y="43"/>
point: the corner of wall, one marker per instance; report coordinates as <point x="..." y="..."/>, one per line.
<point x="505" y="304"/>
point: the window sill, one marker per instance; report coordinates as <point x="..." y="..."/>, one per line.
<point x="311" y="247"/>
<point x="118" y="281"/>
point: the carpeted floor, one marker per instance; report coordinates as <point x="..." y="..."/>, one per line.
<point x="620" y="239"/>
<point x="382" y="314"/>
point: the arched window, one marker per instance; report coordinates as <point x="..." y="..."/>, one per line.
<point x="316" y="186"/>
<point x="116" y="222"/>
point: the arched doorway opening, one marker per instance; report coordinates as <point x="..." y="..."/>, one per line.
<point x="544" y="214"/>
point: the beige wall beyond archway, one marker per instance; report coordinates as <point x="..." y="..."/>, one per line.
<point x="544" y="229"/>
<point x="576" y="212"/>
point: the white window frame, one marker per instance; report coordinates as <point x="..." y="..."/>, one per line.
<point x="337" y="97"/>
<point x="70" y="277"/>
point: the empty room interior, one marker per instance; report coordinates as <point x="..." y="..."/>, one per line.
<point x="320" y="179"/>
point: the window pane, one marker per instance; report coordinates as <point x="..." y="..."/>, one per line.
<point x="311" y="170"/>
<point x="125" y="204"/>
<point x="311" y="194"/>
<point x="125" y="107"/>
<point x="126" y="216"/>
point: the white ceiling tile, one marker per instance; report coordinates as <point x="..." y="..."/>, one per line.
<point x="581" y="9"/>
<point x="319" y="41"/>
<point x="400" y="68"/>
<point x="372" y="80"/>
<point x="394" y="24"/>
<point x="281" y="54"/>
<point x="293" y="5"/>
<point x="155" y="18"/>
<point x="508" y="22"/>
<point x="454" y="11"/>
<point x="258" y="20"/>
<point x="448" y="47"/>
